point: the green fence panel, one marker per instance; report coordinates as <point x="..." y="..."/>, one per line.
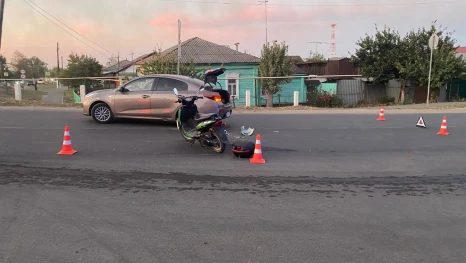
<point x="77" y="98"/>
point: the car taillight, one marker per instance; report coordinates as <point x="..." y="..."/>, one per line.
<point x="215" y="98"/>
<point x="218" y="124"/>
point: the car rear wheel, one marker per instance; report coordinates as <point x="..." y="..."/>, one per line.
<point x="101" y="113"/>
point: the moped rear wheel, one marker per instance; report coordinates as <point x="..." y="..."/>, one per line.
<point x="220" y="146"/>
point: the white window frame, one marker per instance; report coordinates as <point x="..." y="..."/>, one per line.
<point x="235" y="76"/>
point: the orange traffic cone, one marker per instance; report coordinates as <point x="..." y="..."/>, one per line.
<point x="67" y="149"/>
<point x="381" y="115"/>
<point x="257" y="158"/>
<point x="443" y="127"/>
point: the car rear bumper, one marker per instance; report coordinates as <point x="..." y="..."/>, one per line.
<point x="226" y="111"/>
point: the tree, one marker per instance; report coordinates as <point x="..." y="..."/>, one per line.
<point x="316" y="58"/>
<point x="4" y="67"/>
<point x="388" y="56"/>
<point x="81" y="66"/>
<point x="54" y="72"/>
<point x="166" y="64"/>
<point x="38" y="67"/>
<point x="378" y="54"/>
<point x="274" y="63"/>
<point x="446" y="66"/>
<point x="34" y="66"/>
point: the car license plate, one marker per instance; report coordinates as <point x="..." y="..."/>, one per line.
<point x="228" y="114"/>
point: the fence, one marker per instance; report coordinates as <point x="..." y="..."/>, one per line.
<point x="353" y="91"/>
<point x="261" y="100"/>
<point x="345" y="91"/>
<point x="251" y="99"/>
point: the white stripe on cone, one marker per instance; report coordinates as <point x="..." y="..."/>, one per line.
<point x="66" y="142"/>
<point x="257" y="151"/>
<point x="258" y="141"/>
<point x="67" y="133"/>
<point x="443" y="127"/>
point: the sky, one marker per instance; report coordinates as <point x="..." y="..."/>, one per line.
<point x="140" y="26"/>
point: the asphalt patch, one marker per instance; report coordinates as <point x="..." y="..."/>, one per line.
<point x="136" y="181"/>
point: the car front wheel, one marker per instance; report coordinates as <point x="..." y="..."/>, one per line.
<point x="101" y="113"/>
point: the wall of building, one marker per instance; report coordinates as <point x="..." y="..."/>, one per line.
<point x="287" y="93"/>
<point x="245" y="74"/>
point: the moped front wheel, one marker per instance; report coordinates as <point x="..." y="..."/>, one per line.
<point x="187" y="138"/>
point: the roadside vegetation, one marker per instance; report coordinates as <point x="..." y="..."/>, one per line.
<point x="31" y="98"/>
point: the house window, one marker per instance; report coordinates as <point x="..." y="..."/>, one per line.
<point x="232" y="84"/>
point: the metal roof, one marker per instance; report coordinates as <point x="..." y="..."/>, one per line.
<point x="201" y="51"/>
<point x="461" y="50"/>
<point x="114" y="68"/>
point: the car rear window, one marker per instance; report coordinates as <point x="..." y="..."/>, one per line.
<point x="208" y="86"/>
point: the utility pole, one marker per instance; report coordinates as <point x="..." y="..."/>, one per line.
<point x="61" y="62"/>
<point x="118" y="59"/>
<point x="265" y="5"/>
<point x="58" y="61"/>
<point x="179" y="48"/>
<point x="2" y="7"/>
<point x="132" y="58"/>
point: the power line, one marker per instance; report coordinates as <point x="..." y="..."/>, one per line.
<point x="318" y="5"/>
<point x="70" y="28"/>
<point x="65" y="30"/>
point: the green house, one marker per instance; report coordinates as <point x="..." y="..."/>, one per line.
<point x="241" y="70"/>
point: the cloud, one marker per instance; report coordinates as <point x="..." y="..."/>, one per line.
<point x="127" y="25"/>
<point x="247" y="15"/>
<point x="87" y="29"/>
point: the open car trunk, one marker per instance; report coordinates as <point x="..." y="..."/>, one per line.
<point x="225" y="95"/>
<point x="210" y="76"/>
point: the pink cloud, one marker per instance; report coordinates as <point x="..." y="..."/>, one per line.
<point x="87" y="29"/>
<point x="252" y="15"/>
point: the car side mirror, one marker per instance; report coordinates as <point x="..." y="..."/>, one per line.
<point x="122" y="89"/>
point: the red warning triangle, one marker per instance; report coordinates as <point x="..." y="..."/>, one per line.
<point x="421" y="123"/>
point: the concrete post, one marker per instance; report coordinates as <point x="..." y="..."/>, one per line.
<point x="82" y="92"/>
<point x="296" y="99"/>
<point x="18" y="91"/>
<point x="248" y="98"/>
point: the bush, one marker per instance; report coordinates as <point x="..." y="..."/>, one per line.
<point x="329" y="100"/>
<point x="386" y="100"/>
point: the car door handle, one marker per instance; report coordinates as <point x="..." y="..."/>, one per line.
<point x="145" y="96"/>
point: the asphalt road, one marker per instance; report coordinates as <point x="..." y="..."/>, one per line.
<point x="335" y="188"/>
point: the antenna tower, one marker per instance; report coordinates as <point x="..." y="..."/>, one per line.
<point x="332" y="41"/>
